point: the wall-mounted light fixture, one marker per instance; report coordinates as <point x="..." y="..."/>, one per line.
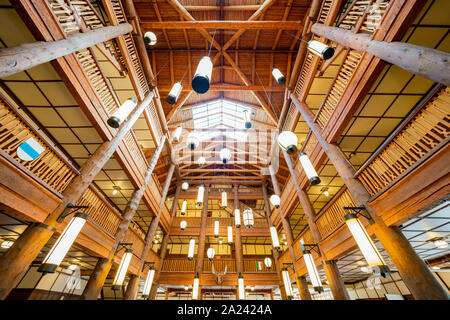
<point x="237" y="218"/>
<point x="311" y="266"/>
<point x="248" y="218"/>
<point x="309" y="169"/>
<point x="230" y="234"/>
<point x="241" y="287"/>
<point x="191" y="249"/>
<point x="274" y="236"/>
<point x="287" y="283"/>
<point x="183" y="207"/>
<point x="148" y="280"/>
<point x="201" y="191"/>
<point x="123" y="266"/>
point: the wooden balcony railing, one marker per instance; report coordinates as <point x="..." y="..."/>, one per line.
<point x="415" y="139"/>
<point x="219" y="265"/>
<point x="51" y="167"/>
<point x="131" y="236"/>
<point x="178" y="265"/>
<point x="363" y="15"/>
<point x="250" y="266"/>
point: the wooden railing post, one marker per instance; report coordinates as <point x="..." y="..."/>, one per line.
<point x="413" y="270"/>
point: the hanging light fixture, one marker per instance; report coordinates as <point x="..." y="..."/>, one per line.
<point x="216" y="229"/>
<point x="230" y="234"/>
<point x="174" y="93"/>
<point x="201" y="191"/>
<point x="185" y="186"/>
<point x="210" y="253"/>
<point x="365" y="243"/>
<point x="440" y="243"/>
<point x="148" y="282"/>
<point x="281" y="79"/>
<point x="186" y="288"/>
<point x="195" y="287"/>
<point x="275" y="200"/>
<point x="192" y="140"/>
<point x="248" y="218"/>
<point x="312" y="270"/>
<point x="63" y="244"/>
<point x="224" y="199"/>
<point x="116" y="189"/>
<point x="202" y="77"/>
<point x="320" y="49"/>
<point x="201" y="161"/>
<point x="183" y="207"/>
<point x="177" y="134"/>
<point x="241" y="287"/>
<point x="274" y="235"/>
<point x="7" y="244"/>
<point x="122" y="270"/>
<point x="287" y="284"/>
<point x="325" y="192"/>
<point x="225" y="155"/>
<point x="191" y="249"/>
<point x="220" y="241"/>
<point x="309" y="169"/>
<point x="287" y="141"/>
<point x="268" y="262"/>
<point x="150" y="38"/>
<point x="122" y="113"/>
<point x="237" y="218"/>
<point x="248" y="123"/>
<point x="183" y="224"/>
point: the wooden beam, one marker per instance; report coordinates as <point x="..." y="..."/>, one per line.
<point x="216" y="24"/>
<point x="178" y="106"/>
<point x="229" y="87"/>
<point x="224" y="8"/>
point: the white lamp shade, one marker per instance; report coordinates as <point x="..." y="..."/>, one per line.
<point x="268" y="262"/>
<point x="320" y="49"/>
<point x="309" y="169"/>
<point x="441" y="244"/>
<point x="122" y="270"/>
<point x="224" y="199"/>
<point x="122" y="113"/>
<point x="183" y="207"/>
<point x="287" y="141"/>
<point x="174" y="93"/>
<point x="184" y="186"/>
<point x="237" y="218"/>
<point x="200" y="194"/>
<point x="216" y="228"/>
<point x="287" y="284"/>
<point x="230" y="234"/>
<point x="210" y="253"/>
<point x="148" y="282"/>
<point x="248" y="218"/>
<point x="281" y="79"/>
<point x="248" y="123"/>
<point x="7" y="244"/>
<point x="150" y="38"/>
<point x="225" y="155"/>
<point x="195" y="288"/>
<point x="183" y="224"/>
<point x="202" y="77"/>
<point x="191" y="249"/>
<point x="241" y="288"/>
<point x="177" y="133"/>
<point x="192" y="140"/>
<point x="63" y="244"/>
<point x="274" y="236"/>
<point x="275" y="200"/>
<point x="312" y="271"/>
<point x="201" y="161"/>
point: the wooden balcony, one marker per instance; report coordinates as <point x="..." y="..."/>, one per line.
<point x="184" y="265"/>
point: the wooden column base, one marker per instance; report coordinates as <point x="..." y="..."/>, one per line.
<point x="97" y="279"/>
<point x="303" y="290"/>
<point x="337" y="285"/>
<point x="133" y="284"/>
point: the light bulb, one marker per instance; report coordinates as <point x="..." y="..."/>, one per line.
<point x="275" y="200"/>
<point x="121" y="114"/>
<point x="287" y="141"/>
<point x="150" y="38"/>
<point x="174" y="93"/>
<point x="183" y="224"/>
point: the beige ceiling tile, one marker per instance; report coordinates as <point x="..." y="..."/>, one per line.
<point x="18" y="33"/>
<point x="377" y="105"/>
<point x="28" y="93"/>
<point x="76" y="150"/>
<point x="17" y="76"/>
<point x="74" y="116"/>
<point x="57" y="93"/>
<point x="147" y="144"/>
<point x="329" y="170"/>
<point x="63" y="135"/>
<point x="394" y="81"/>
<point x="140" y="124"/>
<point x="438" y="13"/>
<point x="116" y="174"/>
<point x="337" y="181"/>
<point x="385" y="127"/>
<point x="418" y="85"/>
<point x="370" y="144"/>
<point x="402" y="106"/>
<point x="92" y="147"/>
<point x="445" y="44"/>
<point x="126" y="186"/>
<point x="121" y="83"/>
<point x="427" y="37"/>
<point x="331" y="71"/>
<point x="101" y="176"/>
<point x="302" y="127"/>
<point x="379" y="78"/>
<point x="48" y="117"/>
<point x="143" y="135"/>
<point x="108" y="69"/>
<point x="122" y="96"/>
<point x="43" y="72"/>
<point x="314" y="101"/>
<point x="361" y="126"/>
<point x="350" y="143"/>
<point x="88" y="135"/>
<point x="359" y="158"/>
<point x="80" y="162"/>
<point x="320" y="85"/>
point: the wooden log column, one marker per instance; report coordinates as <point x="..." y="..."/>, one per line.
<point x="202" y="236"/>
<point x="303" y="290"/>
<point x="29" y="55"/>
<point x="426" y="62"/>
<point x="133" y="284"/>
<point x="14" y="263"/>
<point x="335" y="281"/>
<point x="238" y="240"/>
<point x="158" y="268"/>
<point x="413" y="270"/>
<point x="275" y="253"/>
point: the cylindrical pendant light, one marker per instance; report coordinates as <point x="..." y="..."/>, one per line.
<point x="268" y="262"/>
<point x="225" y="155"/>
<point x="216" y="228"/>
<point x="237" y="218"/>
<point x="177" y="133"/>
<point x="202" y="77"/>
<point x="183" y="224"/>
<point x="241" y="287"/>
<point x="248" y="218"/>
<point x="200" y="193"/>
<point x="281" y="79"/>
<point x="201" y="161"/>
<point x="274" y="236"/>
<point x="148" y="283"/>
<point x="63" y="244"/>
<point x="287" y="141"/>
<point x="309" y="169"/>
<point x="183" y="207"/>
<point x="365" y="243"/>
<point x="150" y="38"/>
<point x="121" y="114"/>
<point x="224" y="199"/>
<point x="312" y="271"/>
<point x="210" y="253"/>
<point x="195" y="287"/>
<point x="287" y="284"/>
<point x="184" y="186"/>
<point x="192" y="140"/>
<point x="230" y="234"/>
<point x="320" y="49"/>
<point x="275" y="200"/>
<point x="174" y="93"/>
<point x="248" y="123"/>
<point x="191" y="249"/>
<point x="122" y="270"/>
